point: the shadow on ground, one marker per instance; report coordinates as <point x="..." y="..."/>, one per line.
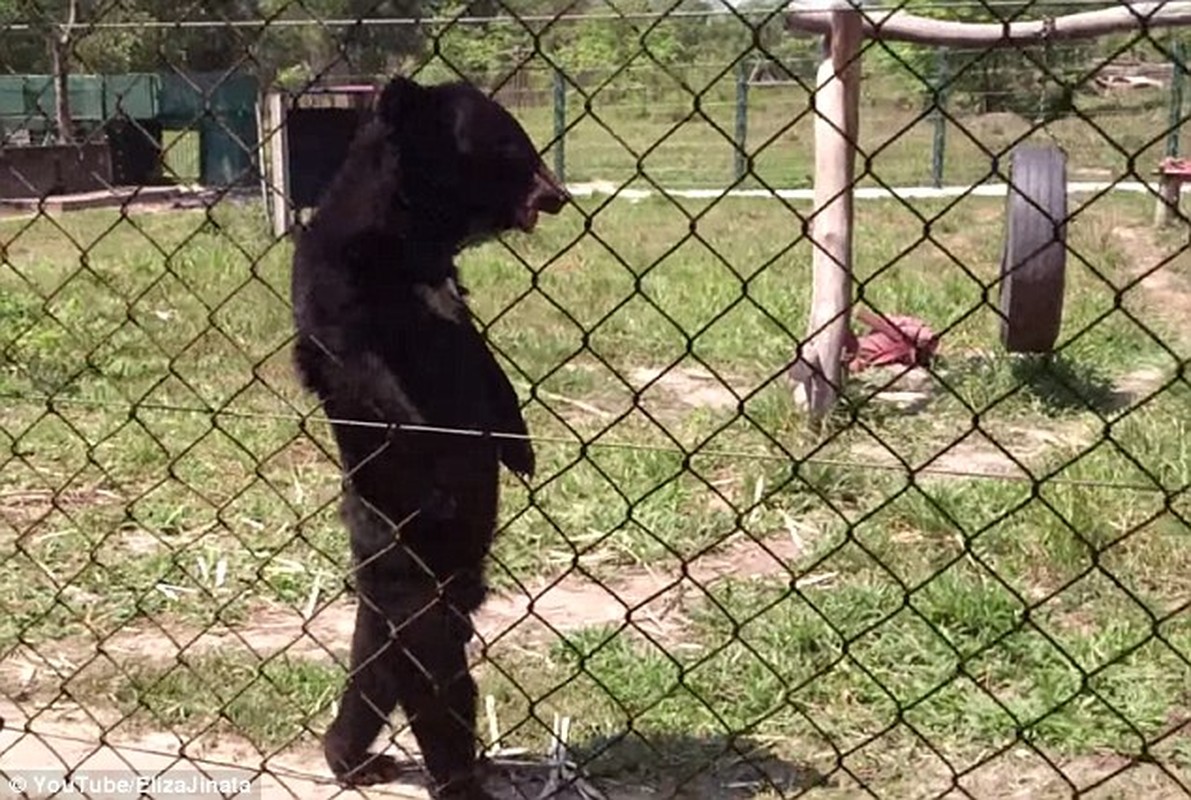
<point x="1058" y="383"/>
<point x="634" y="766"/>
<point x="677" y="766"/>
<point x="1062" y="384"/>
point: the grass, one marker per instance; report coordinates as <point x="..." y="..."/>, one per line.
<point x="154" y="468"/>
<point x="181" y="156"/>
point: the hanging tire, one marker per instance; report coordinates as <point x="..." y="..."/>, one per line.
<point x="1034" y="259"/>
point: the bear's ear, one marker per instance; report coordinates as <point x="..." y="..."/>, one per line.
<point x="399" y="99"/>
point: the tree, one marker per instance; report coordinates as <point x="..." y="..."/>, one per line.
<point x="61" y="40"/>
<point x="1025" y="80"/>
<point x="57" y="26"/>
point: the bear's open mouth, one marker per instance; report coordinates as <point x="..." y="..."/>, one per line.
<point x="527" y="220"/>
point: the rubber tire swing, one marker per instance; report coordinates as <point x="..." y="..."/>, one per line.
<point x="1034" y="259"/>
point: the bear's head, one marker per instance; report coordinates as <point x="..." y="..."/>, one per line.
<point x="468" y="171"/>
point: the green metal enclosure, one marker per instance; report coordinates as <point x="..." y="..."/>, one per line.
<point x="219" y="107"/>
<point x="222" y="108"/>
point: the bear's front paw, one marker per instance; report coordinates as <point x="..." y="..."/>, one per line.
<point x="518" y="455"/>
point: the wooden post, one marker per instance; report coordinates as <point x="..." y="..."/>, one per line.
<point x="278" y="189"/>
<point x="837" y="108"/>
<point x="1167" y="207"/>
<point x="898" y="26"/>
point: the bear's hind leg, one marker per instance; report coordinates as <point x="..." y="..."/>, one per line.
<point x="367" y="702"/>
<point x="438" y="695"/>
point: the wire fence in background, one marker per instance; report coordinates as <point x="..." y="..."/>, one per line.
<point x="972" y="582"/>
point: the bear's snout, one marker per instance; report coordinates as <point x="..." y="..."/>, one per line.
<point x="546" y="195"/>
<point x="551" y="196"/>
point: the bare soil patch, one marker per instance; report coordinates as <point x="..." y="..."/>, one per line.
<point x="22" y="506"/>
<point x="683" y="388"/>
<point x="648" y="600"/>
<point x="57" y="740"/>
<point x="1167" y="294"/>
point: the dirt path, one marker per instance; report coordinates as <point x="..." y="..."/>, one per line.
<point x="66" y="735"/>
<point x="649" y="599"/>
<point x="56" y="742"/>
<point x="46" y="748"/>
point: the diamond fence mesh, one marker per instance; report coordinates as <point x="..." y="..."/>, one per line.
<point x="971" y="581"/>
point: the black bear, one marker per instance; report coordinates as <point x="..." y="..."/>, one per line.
<point x="386" y="342"/>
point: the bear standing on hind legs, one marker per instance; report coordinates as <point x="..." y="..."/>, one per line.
<point x="384" y="338"/>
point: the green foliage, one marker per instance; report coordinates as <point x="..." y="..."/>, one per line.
<point x="1031" y="81"/>
<point x="643" y="32"/>
<point x="597" y="38"/>
<point x="612" y="35"/>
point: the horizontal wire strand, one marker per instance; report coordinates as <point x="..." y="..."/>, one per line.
<point x="49" y="402"/>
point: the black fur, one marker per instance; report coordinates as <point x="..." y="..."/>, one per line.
<point x="384" y="336"/>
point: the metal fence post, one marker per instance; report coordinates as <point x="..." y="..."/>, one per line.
<point x="939" y="100"/>
<point x="1178" y="80"/>
<point x="740" y="159"/>
<point x="560" y="126"/>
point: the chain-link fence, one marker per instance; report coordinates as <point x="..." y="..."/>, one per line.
<point x="972" y="581"/>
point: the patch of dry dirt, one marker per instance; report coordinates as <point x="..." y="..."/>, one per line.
<point x="998" y="119"/>
<point x="61" y="739"/>
<point x="1004" y="452"/>
<point x="58" y="741"/>
<point x="22" y="506"/>
<point x="1167" y="293"/>
<point x="1023" y="775"/>
<point x="66" y="735"/>
<point x="981" y="455"/>
<point x="683" y="387"/>
<point x="667" y="394"/>
<point x="648" y="600"/>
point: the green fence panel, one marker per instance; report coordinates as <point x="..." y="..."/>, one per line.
<point x="133" y="95"/>
<point x="12" y="96"/>
<point x="86" y="97"/>
<point x="39" y="96"/>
